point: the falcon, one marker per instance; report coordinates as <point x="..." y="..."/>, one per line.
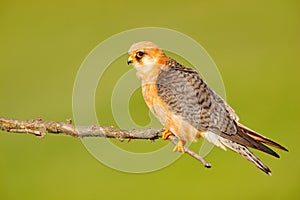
<point x="183" y="102"/>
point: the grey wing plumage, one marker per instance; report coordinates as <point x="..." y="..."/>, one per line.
<point x="188" y="95"/>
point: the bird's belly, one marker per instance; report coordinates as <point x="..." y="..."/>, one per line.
<point x="170" y="121"/>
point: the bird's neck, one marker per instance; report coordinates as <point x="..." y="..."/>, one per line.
<point x="148" y="73"/>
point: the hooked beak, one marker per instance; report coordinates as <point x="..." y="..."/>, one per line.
<point x="130" y="60"/>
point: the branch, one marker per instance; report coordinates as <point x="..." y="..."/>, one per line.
<point x="39" y="127"/>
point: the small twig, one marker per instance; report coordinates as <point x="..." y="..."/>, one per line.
<point x="39" y="127"/>
<point x="174" y="140"/>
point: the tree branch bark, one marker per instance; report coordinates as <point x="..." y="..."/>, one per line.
<point x="39" y="127"/>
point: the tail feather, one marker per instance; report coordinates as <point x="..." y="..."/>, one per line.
<point x="250" y="142"/>
<point x="246" y="153"/>
<point x="241" y="137"/>
<point x="246" y="137"/>
<point x="249" y="138"/>
<point x="260" y="138"/>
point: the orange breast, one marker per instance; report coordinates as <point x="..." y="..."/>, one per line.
<point x="170" y="121"/>
<point x="157" y="106"/>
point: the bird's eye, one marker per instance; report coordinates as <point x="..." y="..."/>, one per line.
<point x="139" y="55"/>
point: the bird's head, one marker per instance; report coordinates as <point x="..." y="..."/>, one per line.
<point x="145" y="56"/>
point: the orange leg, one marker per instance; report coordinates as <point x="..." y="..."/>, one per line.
<point x="179" y="146"/>
<point x="166" y="134"/>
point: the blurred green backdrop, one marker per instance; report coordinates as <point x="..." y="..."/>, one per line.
<point x="255" y="44"/>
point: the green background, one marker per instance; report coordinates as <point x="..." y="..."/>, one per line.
<point x="255" y="45"/>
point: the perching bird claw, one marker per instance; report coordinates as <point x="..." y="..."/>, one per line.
<point x="166" y="134"/>
<point x="179" y="147"/>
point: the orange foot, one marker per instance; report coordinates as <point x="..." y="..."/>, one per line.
<point x="166" y="134"/>
<point x="180" y="146"/>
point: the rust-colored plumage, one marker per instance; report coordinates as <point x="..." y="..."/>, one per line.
<point x="188" y="108"/>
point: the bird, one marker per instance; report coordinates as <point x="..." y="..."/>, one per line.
<point x="189" y="109"/>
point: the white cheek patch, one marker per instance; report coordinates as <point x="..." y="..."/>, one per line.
<point x="143" y="68"/>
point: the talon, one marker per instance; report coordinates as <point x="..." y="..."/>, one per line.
<point x="166" y="134"/>
<point x="179" y="146"/>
